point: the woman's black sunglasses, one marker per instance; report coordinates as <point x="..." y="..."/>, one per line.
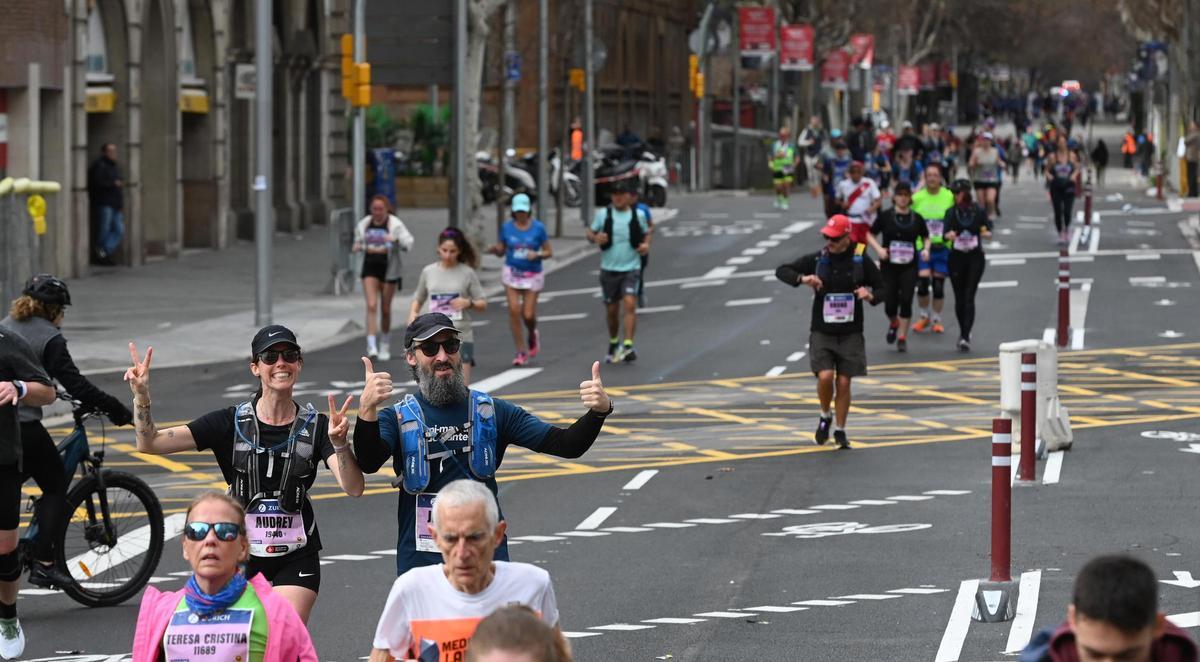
<point x="430" y="349"/>
<point x="270" y="356"/>
<point x="198" y="531"/>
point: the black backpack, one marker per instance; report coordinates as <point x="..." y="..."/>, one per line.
<point x="636" y="236"/>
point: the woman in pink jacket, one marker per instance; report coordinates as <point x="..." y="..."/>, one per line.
<point x="219" y="615"/>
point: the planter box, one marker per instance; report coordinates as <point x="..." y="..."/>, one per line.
<point x="422" y="192"/>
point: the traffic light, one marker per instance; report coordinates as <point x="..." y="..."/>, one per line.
<point x="693" y="69"/>
<point x="356" y="76"/>
<point x="699" y="86"/>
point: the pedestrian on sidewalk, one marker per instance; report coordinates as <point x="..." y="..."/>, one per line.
<point x="524" y="244"/>
<point x="932" y="203"/>
<point x="782" y="163"/>
<point x="380" y="237"/>
<point x="902" y="236"/>
<point x="841" y="278"/>
<point x="105" y="188"/>
<point x="1113" y="615"/>
<point x="451" y="286"/>
<point x="267" y="448"/>
<point x="967" y="225"/>
<point x="1191" y="155"/>
<point x="623" y="235"/>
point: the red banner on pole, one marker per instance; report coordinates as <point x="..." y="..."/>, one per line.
<point x="756" y="30"/>
<point x="835" y="71"/>
<point x="796" y="48"/>
<point x="928" y="75"/>
<point x="943" y="77"/>
<point x="862" y="49"/>
<point x="908" y="81"/>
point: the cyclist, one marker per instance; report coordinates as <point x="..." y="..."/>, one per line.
<point x="524" y="243"/>
<point x="783" y="164"/>
<point x="268" y="448"/>
<point x="452" y="288"/>
<point x="380" y="237"/>
<point x="36" y="317"/>
<point x="1062" y="178"/>
<point x="931" y="203"/>
<point x="902" y="235"/>
<point x="234" y="618"/>
<point x="22" y="382"/>
<point x="966" y="226"/>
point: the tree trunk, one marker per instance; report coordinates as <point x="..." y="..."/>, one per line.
<point x="477" y="34"/>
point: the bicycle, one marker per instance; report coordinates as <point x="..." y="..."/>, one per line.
<point x="114" y="539"/>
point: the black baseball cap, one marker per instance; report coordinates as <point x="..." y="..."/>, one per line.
<point x="961" y="186"/>
<point x="427" y="326"/>
<point x="269" y="336"/>
<point x="624" y="186"/>
<point x="902" y="187"/>
<point x="47" y="288"/>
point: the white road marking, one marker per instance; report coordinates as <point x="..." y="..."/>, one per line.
<point x="780" y="236"/>
<point x="823" y="603"/>
<point x="639" y="481"/>
<point x="597" y="518"/>
<point x="627" y="529"/>
<point x="1027" y="603"/>
<point x="794" y="511"/>
<point x="1081" y="259"/>
<point x="1143" y="257"/>
<point x="836" y="506"/>
<point x="703" y="283"/>
<point x="776" y="371"/>
<point x="674" y="621"/>
<point x="1076" y="235"/>
<point x="583" y="534"/>
<point x="1188" y="620"/>
<point x="715" y="214"/>
<point x="908" y="497"/>
<point x="351" y="557"/>
<point x="739" y="259"/>
<point x="581" y="635"/>
<point x="754" y="251"/>
<point x="385" y="552"/>
<point x="621" y="627"/>
<point x="960" y="621"/>
<point x="718" y="272"/>
<point x="756" y="516"/>
<point x="767" y="214"/>
<point x="768" y="243"/>
<point x="1142" y="280"/>
<point x="723" y="614"/>
<point x="761" y="301"/>
<point x="1094" y="241"/>
<point x="660" y="309"/>
<point x="1049" y="335"/>
<point x="510" y="376"/>
<point x="798" y="226"/>
<point x="919" y="591"/>
<point x="563" y="317"/>
<point x="771" y="609"/>
<point x="712" y="520"/>
<point x="1079" y="308"/>
<point x="795" y="356"/>
<point x="130" y="546"/>
<point x="670" y="525"/>
<point x="947" y="492"/>
<point x="1053" y="470"/>
<point x="988" y="284"/>
<point x="873" y="502"/>
<point x="539" y="538"/>
<point x="867" y="596"/>
<point x="1008" y="263"/>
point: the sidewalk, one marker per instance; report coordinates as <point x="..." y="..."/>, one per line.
<point x="199" y="308"/>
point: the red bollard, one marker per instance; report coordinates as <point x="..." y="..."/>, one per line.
<point x="1064" y="296"/>
<point x="1028" y="468"/>
<point x="1087" y="202"/>
<point x="1001" y="500"/>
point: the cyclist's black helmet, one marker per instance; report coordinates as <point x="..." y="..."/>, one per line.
<point x="48" y="288"/>
<point x="960" y="186"/>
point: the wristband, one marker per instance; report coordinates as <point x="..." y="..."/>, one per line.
<point x="22" y="389"/>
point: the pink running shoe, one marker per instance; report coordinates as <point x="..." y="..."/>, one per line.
<point x="535" y="343"/>
<point x="519" y="359"/>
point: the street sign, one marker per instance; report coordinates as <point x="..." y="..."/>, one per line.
<point x="796" y="48"/>
<point x="694" y="42"/>
<point x="756" y="30"/>
<point x="244" y="81"/>
<point x="862" y="49"/>
<point x="512" y="66"/>
<point x="835" y="71"/>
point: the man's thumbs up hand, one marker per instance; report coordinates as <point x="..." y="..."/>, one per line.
<point x="378" y="387"/>
<point x="591" y="392"/>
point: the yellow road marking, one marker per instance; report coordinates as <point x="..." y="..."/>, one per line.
<point x="157" y="460"/>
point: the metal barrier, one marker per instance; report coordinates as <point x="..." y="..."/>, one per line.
<point x="20" y="245"/>
<point x="344" y="265"/>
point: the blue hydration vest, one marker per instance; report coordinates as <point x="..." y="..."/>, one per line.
<point x="415" y="436"/>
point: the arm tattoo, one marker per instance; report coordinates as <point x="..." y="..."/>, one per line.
<point x="144" y="425"/>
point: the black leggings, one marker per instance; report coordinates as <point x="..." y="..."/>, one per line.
<point x="1062" y="198"/>
<point x="898" y="285"/>
<point x="42" y="463"/>
<point x="939" y="286"/>
<point x="966" y="270"/>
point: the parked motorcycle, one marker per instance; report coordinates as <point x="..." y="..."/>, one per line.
<point x="653" y="173"/>
<point x="516" y="179"/>
<point x="572" y="186"/>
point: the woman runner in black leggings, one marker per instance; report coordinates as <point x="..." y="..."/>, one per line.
<point x="967" y="225"/>
<point x="1062" y="178"/>
<point x="902" y="235"/>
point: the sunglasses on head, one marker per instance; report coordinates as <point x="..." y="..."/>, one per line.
<point x="197" y="531"/>
<point x="270" y="356"/>
<point x="430" y="349"/>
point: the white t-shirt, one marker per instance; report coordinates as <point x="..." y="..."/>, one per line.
<point x="858" y="211"/>
<point x="424" y="611"/>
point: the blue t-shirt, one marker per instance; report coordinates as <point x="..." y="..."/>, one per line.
<point x="514" y="425"/>
<point x="620" y="256"/>
<point x="517" y="242"/>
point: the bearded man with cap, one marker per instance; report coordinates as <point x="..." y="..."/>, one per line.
<point x="842" y="278"/>
<point x="446" y="432"/>
<point x="268" y="449"/>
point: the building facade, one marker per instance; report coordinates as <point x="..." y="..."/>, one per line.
<point x="165" y="82"/>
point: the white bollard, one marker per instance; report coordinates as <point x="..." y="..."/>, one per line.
<point x="1056" y="434"/>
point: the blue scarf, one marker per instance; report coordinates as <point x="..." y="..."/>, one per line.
<point x="203" y="604"/>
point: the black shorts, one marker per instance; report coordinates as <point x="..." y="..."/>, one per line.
<point x="378" y="270"/>
<point x="617" y="284"/>
<point x="10" y="497"/>
<point x="982" y="185"/>
<point x="844" y="354"/>
<point x="291" y="570"/>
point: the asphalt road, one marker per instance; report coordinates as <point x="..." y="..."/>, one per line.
<point x="732" y="536"/>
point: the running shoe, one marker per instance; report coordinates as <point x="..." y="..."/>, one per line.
<point x="12" y="639"/>
<point x="938" y="328"/>
<point x="535" y="343"/>
<point x="629" y="355"/>
<point x="964" y="345"/>
<point x="920" y="325"/>
<point x="372" y="352"/>
<point x="614" y="353"/>
<point x="520" y="358"/>
<point x="901" y="344"/>
<point x="385" y="351"/>
<point x="823" y="425"/>
<point x="891" y="333"/>
<point x="783" y="204"/>
<point x="48" y="576"/>
<point x="839" y="438"/>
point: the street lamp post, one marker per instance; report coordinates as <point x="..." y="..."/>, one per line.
<point x="264" y="221"/>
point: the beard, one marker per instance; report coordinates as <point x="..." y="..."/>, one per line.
<point x="440" y="391"/>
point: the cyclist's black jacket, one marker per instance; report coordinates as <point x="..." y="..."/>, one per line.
<point x="17" y="361"/>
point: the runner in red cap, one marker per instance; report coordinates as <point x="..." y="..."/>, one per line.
<point x="860" y="198"/>
<point x="842" y="278"/>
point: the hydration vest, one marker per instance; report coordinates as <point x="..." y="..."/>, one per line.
<point x="416" y="435"/>
<point x="825" y="261"/>
<point x="635" y="229"/>
<point x="296" y="453"/>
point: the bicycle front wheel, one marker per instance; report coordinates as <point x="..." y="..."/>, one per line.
<point x="113" y="542"/>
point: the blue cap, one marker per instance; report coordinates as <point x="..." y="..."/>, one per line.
<point x="520" y="202"/>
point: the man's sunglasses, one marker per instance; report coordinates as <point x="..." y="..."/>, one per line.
<point x="430" y="349"/>
<point x="197" y="531"/>
<point x="270" y="356"/>
<point x="834" y="240"/>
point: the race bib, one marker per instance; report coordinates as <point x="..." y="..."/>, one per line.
<point x="966" y="242"/>
<point x="838" y="308"/>
<point x="935" y="228"/>
<point x="440" y="303"/>
<point x="222" y="637"/>
<point x="377" y="238"/>
<point x="273" y="531"/>
<point x="423" y="536"/>
<point x="900" y="252"/>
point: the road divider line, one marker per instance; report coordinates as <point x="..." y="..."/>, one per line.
<point x="1094" y="241"/>
<point x="959" y="623"/>
<point x="754" y="250"/>
<point x="1143" y="280"/>
<point x="1076" y="235"/>
<point x="797" y="227"/>
<point x="510" y="376"/>
<point x="563" y="317"/>
<point x="1079" y="308"/>
<point x="1188" y="620"/>
<point x="739" y="259"/>
<point x="1014" y="262"/>
<point x="1027" y="603"/>
<point x="597" y="518"/>
<point x="777" y="371"/>
<point x="718" y="272"/>
<point x="795" y="356"/>
<point x="660" y="309"/>
<point x="1053" y="468"/>
<point x="998" y="283"/>
<point x="704" y="283"/>
<point x="761" y="301"/>
<point x="639" y="481"/>
<point x="1142" y="257"/>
